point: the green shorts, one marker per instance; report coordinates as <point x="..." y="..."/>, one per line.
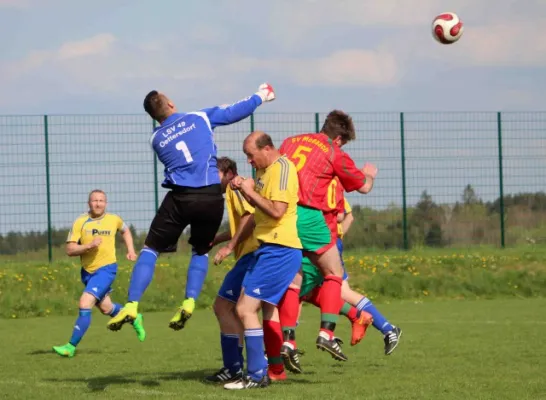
<point x="312" y="229"/>
<point x="312" y="277"/>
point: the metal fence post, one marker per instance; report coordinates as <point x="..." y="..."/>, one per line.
<point x="156" y="182"/>
<point x="48" y="192"/>
<point x="317" y="124"/>
<point x="404" y="203"/>
<point x="501" y="183"/>
<point x="252" y="130"/>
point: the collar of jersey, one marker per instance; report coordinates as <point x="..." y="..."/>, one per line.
<point x="170" y="119"/>
<point x="89" y="218"/>
<point x="273" y="163"/>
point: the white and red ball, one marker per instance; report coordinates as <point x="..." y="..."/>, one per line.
<point x="447" y="28"/>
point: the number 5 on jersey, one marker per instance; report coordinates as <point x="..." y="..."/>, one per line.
<point x="301" y="156"/>
<point x="183" y="147"/>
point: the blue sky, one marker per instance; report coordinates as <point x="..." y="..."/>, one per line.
<point x="72" y="57"/>
<point x="93" y="57"/>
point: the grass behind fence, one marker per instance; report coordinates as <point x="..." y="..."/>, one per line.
<point x="34" y="288"/>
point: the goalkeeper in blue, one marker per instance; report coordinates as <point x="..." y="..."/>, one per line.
<point x="184" y="143"/>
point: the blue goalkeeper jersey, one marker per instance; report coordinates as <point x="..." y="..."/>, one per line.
<point x="184" y="143"/>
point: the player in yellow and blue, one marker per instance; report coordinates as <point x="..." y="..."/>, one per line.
<point x="278" y="259"/>
<point x="93" y="239"/>
<point x="242" y="244"/>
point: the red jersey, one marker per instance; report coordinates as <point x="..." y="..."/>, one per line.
<point x="335" y="198"/>
<point x="318" y="161"/>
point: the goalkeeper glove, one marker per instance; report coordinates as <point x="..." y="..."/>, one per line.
<point x="266" y="92"/>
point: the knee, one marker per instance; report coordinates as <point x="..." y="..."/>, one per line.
<point x="222" y="307"/>
<point x="200" y="249"/>
<point x="242" y="311"/>
<point x="87" y="301"/>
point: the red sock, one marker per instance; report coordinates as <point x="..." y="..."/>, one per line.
<point x="314" y="297"/>
<point x="349" y="311"/>
<point x="273" y="343"/>
<point x="330" y="304"/>
<point x="289" y="308"/>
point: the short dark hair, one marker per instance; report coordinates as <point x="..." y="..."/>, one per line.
<point x="339" y="123"/>
<point x="226" y="164"/>
<point x="95" y="191"/>
<point x="263" y="140"/>
<point x="156" y="105"/>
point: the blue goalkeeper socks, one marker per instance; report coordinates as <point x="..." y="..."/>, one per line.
<point x="197" y="272"/>
<point x="143" y="273"/>
<point x="379" y="321"/>
<point x="81" y="326"/>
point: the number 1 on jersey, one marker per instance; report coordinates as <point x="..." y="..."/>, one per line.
<point x="300" y="155"/>
<point x="183" y="147"/>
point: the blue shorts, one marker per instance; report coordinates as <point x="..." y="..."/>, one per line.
<point x="339" y="244"/>
<point x="99" y="283"/>
<point x="274" y="269"/>
<point x="233" y="282"/>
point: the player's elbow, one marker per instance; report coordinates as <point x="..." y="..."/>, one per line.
<point x="277" y="214"/>
<point x="70" y="250"/>
<point x="367" y="187"/>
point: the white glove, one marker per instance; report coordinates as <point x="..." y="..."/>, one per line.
<point x="266" y="92"/>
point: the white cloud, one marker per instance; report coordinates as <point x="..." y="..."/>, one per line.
<point x="509" y="44"/>
<point x="99" y="44"/>
<point x="351" y="67"/>
<point x="14" y="3"/>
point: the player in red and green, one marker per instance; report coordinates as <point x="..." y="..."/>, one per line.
<point x="319" y="159"/>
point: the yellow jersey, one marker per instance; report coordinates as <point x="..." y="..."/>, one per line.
<point x="278" y="182"/>
<point x="237" y="206"/>
<point x="347" y="209"/>
<point x="85" y="229"/>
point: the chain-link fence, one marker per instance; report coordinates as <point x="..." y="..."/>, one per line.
<point x="445" y="179"/>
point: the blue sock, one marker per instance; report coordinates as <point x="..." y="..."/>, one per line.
<point x="81" y="326"/>
<point x="142" y="275"/>
<point x="230" y="351"/>
<point x="115" y="309"/>
<point x="256" y="362"/>
<point x="197" y="271"/>
<point x="241" y="356"/>
<point x="379" y="321"/>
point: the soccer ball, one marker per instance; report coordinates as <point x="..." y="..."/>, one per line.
<point x="447" y="28"/>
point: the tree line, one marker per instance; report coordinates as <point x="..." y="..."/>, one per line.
<point x="469" y="221"/>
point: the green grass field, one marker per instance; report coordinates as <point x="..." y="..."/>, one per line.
<point x="450" y="349"/>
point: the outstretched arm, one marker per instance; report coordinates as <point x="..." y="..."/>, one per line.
<point x="226" y="115"/>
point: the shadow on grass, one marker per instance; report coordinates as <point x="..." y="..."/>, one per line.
<point x="101" y="383"/>
<point x="79" y="352"/>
